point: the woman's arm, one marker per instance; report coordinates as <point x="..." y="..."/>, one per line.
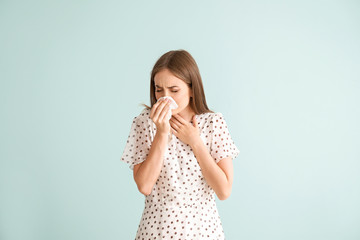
<point x="219" y="176"/>
<point x="147" y="172"/>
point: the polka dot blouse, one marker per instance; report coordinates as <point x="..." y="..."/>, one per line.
<point x="181" y="205"/>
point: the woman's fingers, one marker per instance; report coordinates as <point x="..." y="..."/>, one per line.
<point x="161" y="111"/>
<point x="158" y="110"/>
<point x="164" y="113"/>
<point x="153" y="109"/>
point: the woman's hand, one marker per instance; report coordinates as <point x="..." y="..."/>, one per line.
<point x="159" y="115"/>
<point x="185" y="131"/>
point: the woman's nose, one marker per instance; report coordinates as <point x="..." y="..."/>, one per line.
<point x="165" y="94"/>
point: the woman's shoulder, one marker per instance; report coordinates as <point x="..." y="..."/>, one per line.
<point x="210" y="118"/>
<point x="216" y="119"/>
<point x="212" y="115"/>
<point x="144" y="115"/>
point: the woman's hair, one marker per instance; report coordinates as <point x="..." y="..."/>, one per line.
<point x="183" y="66"/>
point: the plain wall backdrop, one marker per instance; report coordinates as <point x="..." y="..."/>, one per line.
<point x="285" y="75"/>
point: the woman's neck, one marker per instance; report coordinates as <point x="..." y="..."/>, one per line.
<point x="187" y="114"/>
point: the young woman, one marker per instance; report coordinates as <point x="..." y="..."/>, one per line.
<point x="180" y="176"/>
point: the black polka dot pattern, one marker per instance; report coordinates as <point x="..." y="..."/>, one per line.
<point x="139" y="140"/>
<point x="222" y="145"/>
<point x="181" y="205"/>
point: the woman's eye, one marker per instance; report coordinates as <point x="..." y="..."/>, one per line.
<point x="161" y="90"/>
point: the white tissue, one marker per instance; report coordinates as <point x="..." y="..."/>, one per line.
<point x="172" y="105"/>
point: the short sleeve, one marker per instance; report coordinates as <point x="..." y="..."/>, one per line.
<point x="138" y="142"/>
<point x="222" y="145"/>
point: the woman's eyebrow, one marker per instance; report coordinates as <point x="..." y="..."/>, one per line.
<point x="168" y="87"/>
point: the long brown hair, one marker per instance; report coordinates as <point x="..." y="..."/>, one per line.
<point x="183" y="66"/>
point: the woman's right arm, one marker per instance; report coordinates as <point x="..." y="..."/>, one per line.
<point x="147" y="172"/>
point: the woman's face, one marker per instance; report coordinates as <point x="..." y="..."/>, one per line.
<point x="166" y="84"/>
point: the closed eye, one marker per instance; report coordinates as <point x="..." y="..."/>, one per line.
<point x="161" y="90"/>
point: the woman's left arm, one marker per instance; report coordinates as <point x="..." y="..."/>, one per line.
<point x="218" y="175"/>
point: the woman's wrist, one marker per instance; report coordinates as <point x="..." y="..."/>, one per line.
<point x="196" y="143"/>
<point x="162" y="135"/>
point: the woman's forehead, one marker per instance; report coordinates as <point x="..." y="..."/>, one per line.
<point x="169" y="82"/>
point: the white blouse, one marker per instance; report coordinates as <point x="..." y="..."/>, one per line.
<point x="181" y="205"/>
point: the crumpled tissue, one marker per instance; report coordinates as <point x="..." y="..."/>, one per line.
<point x="172" y="105"/>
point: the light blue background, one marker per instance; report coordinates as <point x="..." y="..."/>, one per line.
<point x="285" y="75"/>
